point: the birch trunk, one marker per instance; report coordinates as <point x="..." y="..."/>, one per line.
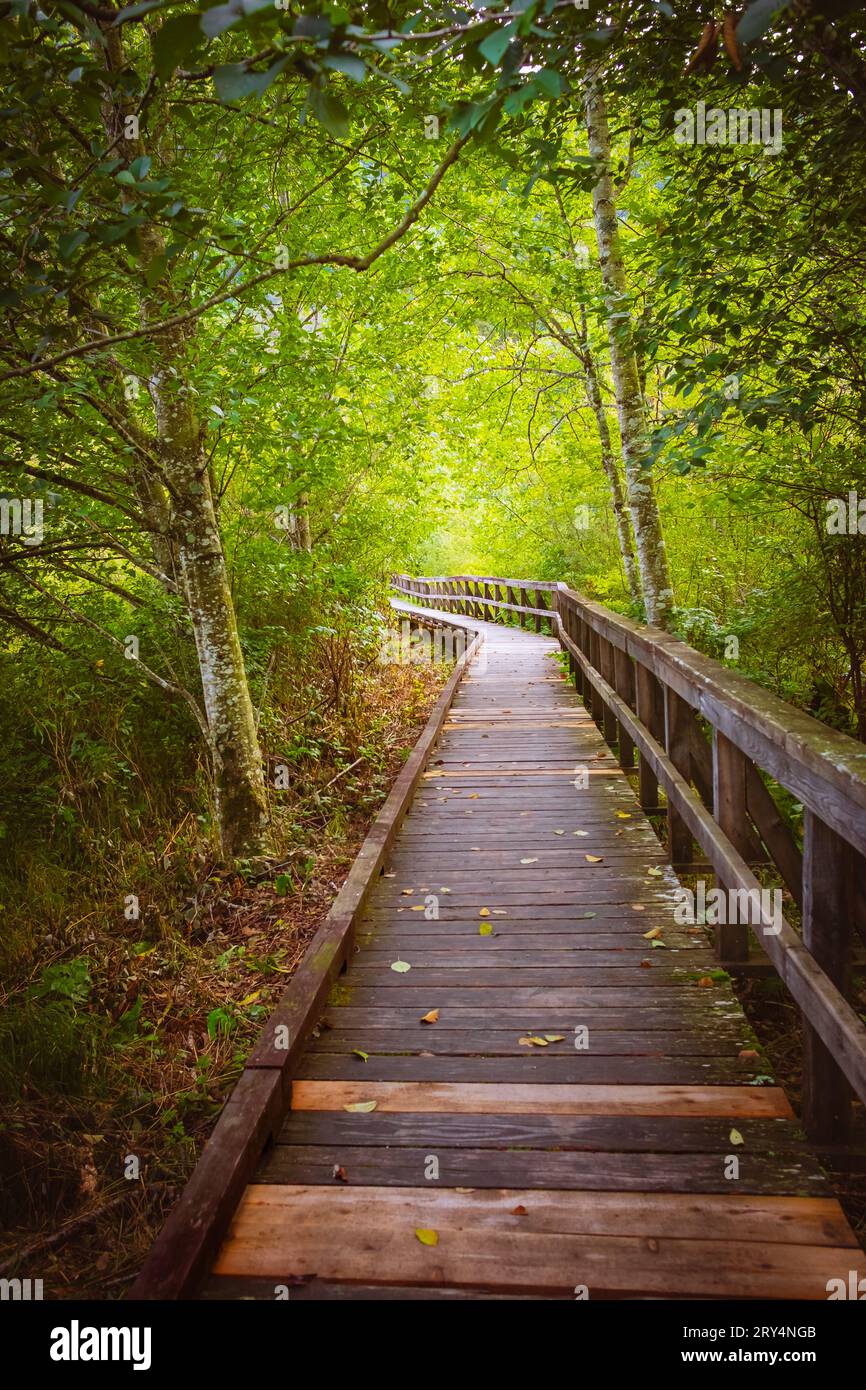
<point x="241" y="801"/>
<point x="640" y="494"/>
<point x="609" y="464"/>
<point x="195" y="542"/>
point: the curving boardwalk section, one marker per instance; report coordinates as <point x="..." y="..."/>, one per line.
<point x="555" y="1094"/>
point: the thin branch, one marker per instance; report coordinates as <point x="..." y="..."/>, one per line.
<point x="358" y="263"/>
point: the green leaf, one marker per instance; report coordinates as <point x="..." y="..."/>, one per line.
<point x="758" y="18"/>
<point x="330" y="112"/>
<point x="233" y="82"/>
<point x="175" y="41"/>
<point x="219" y="18"/>
<point x="348" y="63"/>
<point x="549" y="82"/>
<point x="67" y="245"/>
<point x="139" y="168"/>
<point x="494" y="47"/>
<point x="155" y="271"/>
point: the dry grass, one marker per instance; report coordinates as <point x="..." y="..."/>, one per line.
<point x="173" y="1003"/>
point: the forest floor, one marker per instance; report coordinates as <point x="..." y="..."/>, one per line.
<point x="176" y="1001"/>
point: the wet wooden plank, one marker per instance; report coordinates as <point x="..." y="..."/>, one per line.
<point x="522" y="1239"/>
<point x="599" y="1171"/>
<point x="542" y="1065"/>
<point x="480" y="1098"/>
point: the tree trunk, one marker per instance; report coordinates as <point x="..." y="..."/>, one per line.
<point x="609" y="464"/>
<point x="195" y="541"/>
<point x="640" y="494"/>
<point x="239" y="782"/>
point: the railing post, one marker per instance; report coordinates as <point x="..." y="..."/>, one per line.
<point x="568" y="622"/>
<point x="596" y="703"/>
<point x="731" y="816"/>
<point x="828" y="882"/>
<point x="678" y="742"/>
<point x="584" y="641"/>
<point x="538" y="604"/>
<point x="605" y="652"/>
<point x="650" y="712"/>
<point x="523" y="604"/>
<point x="624" y="683"/>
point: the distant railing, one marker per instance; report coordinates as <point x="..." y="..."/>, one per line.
<point x="706" y="734"/>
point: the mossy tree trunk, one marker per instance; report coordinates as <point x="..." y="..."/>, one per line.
<point x="640" y="493"/>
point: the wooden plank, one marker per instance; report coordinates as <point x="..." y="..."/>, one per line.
<point x="618" y="1133"/>
<point x="791" y="1221"/>
<point x="541" y="1065"/>
<point x="599" y="1171"/>
<point x="746" y="1250"/>
<point x="492" y="1042"/>
<point x="658" y="994"/>
<point x="487" y="1098"/>
<point x="679" y="1016"/>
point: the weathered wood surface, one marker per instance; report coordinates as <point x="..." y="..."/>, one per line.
<point x="527" y="894"/>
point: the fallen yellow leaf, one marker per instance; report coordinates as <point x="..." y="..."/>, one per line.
<point x="427" y="1237"/>
<point x="432" y="1017"/>
<point x="361" y="1107"/>
<point x="484" y="912"/>
<point x="652" y="933"/>
<point x="593" y="858"/>
<point x="736" y="1137"/>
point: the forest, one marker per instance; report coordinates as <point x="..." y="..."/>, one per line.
<point x="300" y="295"/>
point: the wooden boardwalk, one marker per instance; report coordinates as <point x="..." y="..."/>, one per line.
<point x="551" y="1093"/>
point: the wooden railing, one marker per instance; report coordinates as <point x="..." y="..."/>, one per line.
<point x="715" y="743"/>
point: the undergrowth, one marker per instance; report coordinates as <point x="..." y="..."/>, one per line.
<point x="137" y="968"/>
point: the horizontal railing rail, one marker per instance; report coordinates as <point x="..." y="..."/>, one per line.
<point x="712" y="739"/>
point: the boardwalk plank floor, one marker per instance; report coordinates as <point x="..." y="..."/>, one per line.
<point x="598" y="1158"/>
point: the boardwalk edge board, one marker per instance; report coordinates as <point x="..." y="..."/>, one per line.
<point x="181" y="1255"/>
